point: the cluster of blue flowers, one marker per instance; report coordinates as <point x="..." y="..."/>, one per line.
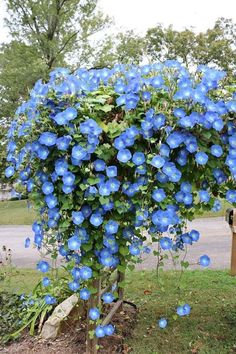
<point x="165" y="145"/>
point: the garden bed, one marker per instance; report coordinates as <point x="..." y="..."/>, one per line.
<point x="72" y="341"/>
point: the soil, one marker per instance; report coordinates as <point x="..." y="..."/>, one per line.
<point x="72" y="340"/>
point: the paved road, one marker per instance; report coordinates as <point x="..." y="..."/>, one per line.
<point x="215" y="241"/>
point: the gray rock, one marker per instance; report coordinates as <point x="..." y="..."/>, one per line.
<point x="61" y="314"/>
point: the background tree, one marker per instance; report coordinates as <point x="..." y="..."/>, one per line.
<point x="215" y="46"/>
<point x="124" y="47"/>
<point x="45" y="34"/>
<point x="20" y="67"/>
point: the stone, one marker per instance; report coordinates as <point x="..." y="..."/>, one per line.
<point x="61" y="314"/>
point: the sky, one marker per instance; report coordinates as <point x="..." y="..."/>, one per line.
<point x="143" y="14"/>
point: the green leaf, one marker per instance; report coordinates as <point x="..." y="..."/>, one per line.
<point x="184" y="264"/>
<point x="106" y="108"/>
<point x="124" y="251"/>
<point x="93" y="180"/>
<point x="121" y="268"/>
<point x="87" y="246"/>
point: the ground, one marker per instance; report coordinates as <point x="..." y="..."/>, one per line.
<point x="210" y="328"/>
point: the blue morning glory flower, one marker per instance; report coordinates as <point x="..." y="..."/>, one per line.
<point x="183" y="310"/>
<point x="108" y="298"/>
<point x="185" y="238"/>
<point x="111" y="227"/>
<point x="195" y="235"/>
<point x="94" y="314"/>
<point x="96" y="219"/>
<point x="74" y="285"/>
<point x="217" y="205"/>
<point x="43" y="266"/>
<point x="99" y="165"/>
<point x="48" y="139"/>
<point x="134" y="249"/>
<point x="78" y="152"/>
<point x="77" y="217"/>
<point x="131" y="101"/>
<point x="67" y="115"/>
<point x="186" y="187"/>
<point x="179" y="113"/>
<point x="61" y="167"/>
<point x="86" y="273"/>
<point x="63" y="142"/>
<point x="46" y="281"/>
<point x="146" y="95"/>
<point x="138" y="158"/>
<point x="204" y="196"/>
<point x="113" y="184"/>
<point x="164" y="150"/>
<point x="104" y="189"/>
<point x="159" y="121"/>
<point x="174" y="140"/>
<point x="75" y="273"/>
<point x="162" y="323"/>
<point x="188" y="199"/>
<point x="201" y="158"/>
<point x="99" y="331"/>
<point x="74" y="243"/>
<point x="42" y="152"/>
<point x="84" y="294"/>
<point x="216" y="150"/>
<point x="157" y="82"/>
<point x="166" y="243"/>
<point x="9" y="171"/>
<point x="51" y="201"/>
<point x="218" y="124"/>
<point x="67" y="189"/>
<point x="27" y="242"/>
<point x="109" y="329"/>
<point x="124" y="155"/>
<point x="86" y="210"/>
<point x="111" y="171"/>
<point x="90" y="127"/>
<point x="231" y="196"/>
<point x="204" y="261"/>
<point x="68" y="178"/>
<point x="158" y="194"/>
<point x="47" y="188"/>
<point x="158" y="161"/>
<point x="49" y="300"/>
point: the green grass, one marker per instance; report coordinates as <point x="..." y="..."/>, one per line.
<point x="211" y="214"/>
<point x="210" y="329"/>
<point x="17" y="281"/>
<point x="16" y="213"/>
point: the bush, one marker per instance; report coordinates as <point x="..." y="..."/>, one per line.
<point x="106" y="154"/>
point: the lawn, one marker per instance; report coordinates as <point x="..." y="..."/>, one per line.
<point x="212" y="214"/>
<point x="18" y="213"/>
<point x="210" y="328"/>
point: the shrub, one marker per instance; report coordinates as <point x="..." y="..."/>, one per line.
<point x="106" y="154"/>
